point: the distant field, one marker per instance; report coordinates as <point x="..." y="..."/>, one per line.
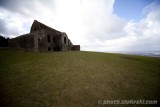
<point x="75" y="79"/>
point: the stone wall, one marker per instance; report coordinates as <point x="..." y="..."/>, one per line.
<point x="76" y="47"/>
<point x="24" y="42"/>
<point x="37" y="26"/>
<point x="70" y="45"/>
<point x="40" y="41"/>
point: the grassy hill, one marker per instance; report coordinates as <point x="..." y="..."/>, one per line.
<point x="75" y="79"/>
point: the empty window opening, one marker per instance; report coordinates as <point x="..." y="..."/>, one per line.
<point x="48" y="38"/>
<point x="35" y="29"/>
<point x="49" y="49"/>
<point x="54" y="49"/>
<point x="54" y="40"/>
<point x="58" y="48"/>
<point x="38" y="40"/>
<point x="64" y="40"/>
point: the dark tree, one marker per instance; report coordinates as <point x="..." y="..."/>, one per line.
<point x="3" y="41"/>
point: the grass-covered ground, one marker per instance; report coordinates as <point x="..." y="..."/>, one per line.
<point x="75" y="79"/>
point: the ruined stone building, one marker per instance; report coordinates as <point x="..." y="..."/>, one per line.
<point x="42" y="39"/>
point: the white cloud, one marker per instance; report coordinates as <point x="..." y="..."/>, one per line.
<point x="90" y="23"/>
<point x="135" y="36"/>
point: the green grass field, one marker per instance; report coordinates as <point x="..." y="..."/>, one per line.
<point x="75" y="78"/>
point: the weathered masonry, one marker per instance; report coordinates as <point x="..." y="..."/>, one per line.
<point x="42" y="39"/>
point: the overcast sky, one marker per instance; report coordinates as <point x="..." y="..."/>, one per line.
<point x="97" y="25"/>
